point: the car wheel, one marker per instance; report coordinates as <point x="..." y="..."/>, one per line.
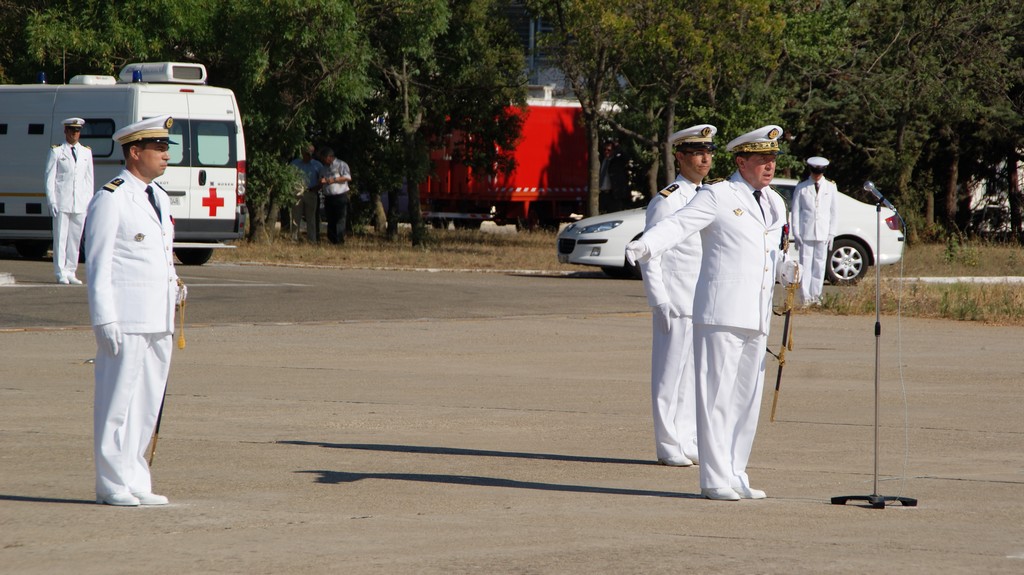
<point x="32" y="250"/>
<point x="623" y="273"/>
<point x="193" y="256"/>
<point x="847" y="263"/>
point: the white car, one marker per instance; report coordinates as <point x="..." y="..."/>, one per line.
<point x="601" y="240"/>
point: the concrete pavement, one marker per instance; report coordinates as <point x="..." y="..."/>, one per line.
<point x="516" y="443"/>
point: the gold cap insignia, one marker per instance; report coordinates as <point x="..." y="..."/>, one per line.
<point x="772" y="134"/>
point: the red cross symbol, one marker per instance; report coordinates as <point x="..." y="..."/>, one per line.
<point x="213" y="202"/>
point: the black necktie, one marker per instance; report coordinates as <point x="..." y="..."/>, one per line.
<point x="816" y="187"/>
<point x="74" y="154"/>
<point x="152" y="202"/>
<point x="757" y="198"/>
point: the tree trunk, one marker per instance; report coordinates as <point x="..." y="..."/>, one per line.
<point x="258" y="225"/>
<point x="1013" y="194"/>
<point x="950" y="187"/>
<point x="594" y="197"/>
<point x="666" y="149"/>
<point x="393" y="214"/>
<point x="419" y="228"/>
<point x="380" y="217"/>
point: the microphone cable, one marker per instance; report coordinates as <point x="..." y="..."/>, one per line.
<point x="899" y="359"/>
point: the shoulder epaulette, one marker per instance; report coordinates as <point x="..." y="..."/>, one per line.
<point x="113" y="184"/>
<point x="55" y="146"/>
<point x="713" y="181"/>
<point x="86" y="147"/>
<point x="668" y="190"/>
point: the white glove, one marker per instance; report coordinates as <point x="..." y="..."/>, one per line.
<point x="108" y="337"/>
<point x="182" y="294"/>
<point x="790" y="272"/>
<point x="662" y="314"/>
<point x="53" y="211"/>
<point x="637" y="251"/>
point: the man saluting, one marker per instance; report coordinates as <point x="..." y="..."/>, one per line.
<point x="740" y="222"/>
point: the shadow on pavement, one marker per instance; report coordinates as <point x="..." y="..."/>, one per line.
<point x="338" y="477"/>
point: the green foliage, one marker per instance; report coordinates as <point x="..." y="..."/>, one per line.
<point x="925" y="98"/>
<point x="99" y="37"/>
<point x="959" y="252"/>
<point x="270" y="179"/>
<point x="438" y="67"/>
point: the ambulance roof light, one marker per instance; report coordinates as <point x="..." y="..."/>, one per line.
<point x="92" y="80"/>
<point x="165" y="72"/>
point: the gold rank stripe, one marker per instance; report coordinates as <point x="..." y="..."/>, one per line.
<point x="113" y="184"/>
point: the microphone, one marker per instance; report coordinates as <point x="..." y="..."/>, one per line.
<point x="869" y="186"/>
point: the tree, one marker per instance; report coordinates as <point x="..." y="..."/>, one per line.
<point x="299" y="68"/>
<point x="97" y="37"/>
<point x="586" y="43"/>
<point x="901" y="91"/>
<point x="297" y="79"/>
<point x="439" y="66"/>
<point x="714" y="62"/>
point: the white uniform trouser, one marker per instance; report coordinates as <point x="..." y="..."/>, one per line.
<point x="129" y="389"/>
<point x="67" y="237"/>
<point x="812" y="270"/>
<point x="730" y="379"/>
<point x="672" y="390"/>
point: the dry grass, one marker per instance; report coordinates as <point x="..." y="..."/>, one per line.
<point x="504" y="249"/>
<point x="956" y="259"/>
<point x="999" y="304"/>
<point x="995" y="303"/>
<point x="493" y="249"/>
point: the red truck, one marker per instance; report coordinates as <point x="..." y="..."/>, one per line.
<point x="548" y="183"/>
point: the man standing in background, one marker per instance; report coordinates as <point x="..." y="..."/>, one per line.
<point x="670" y="280"/>
<point x="334" y="179"/>
<point x="69" y="187"/>
<point x="308" y="202"/>
<point x="815" y="214"/>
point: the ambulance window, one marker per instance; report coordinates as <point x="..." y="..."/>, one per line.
<point x="177" y="149"/>
<point x="96" y="134"/>
<point x="214" y="143"/>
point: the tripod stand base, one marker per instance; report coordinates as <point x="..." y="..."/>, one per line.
<point x="876" y="501"/>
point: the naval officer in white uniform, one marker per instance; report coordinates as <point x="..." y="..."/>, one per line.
<point x="815" y="216"/>
<point x="133" y="289"/>
<point x="69" y="187"/>
<point x="669" y="281"/>
<point x="740" y="222"/>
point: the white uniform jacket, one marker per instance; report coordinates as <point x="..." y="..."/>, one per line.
<point x="741" y="251"/>
<point x="69" y="183"/>
<point x="814" y="213"/>
<point x="672" y="277"/>
<point x="129" y="258"/>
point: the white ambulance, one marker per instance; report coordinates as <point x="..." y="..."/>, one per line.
<point x="205" y="177"/>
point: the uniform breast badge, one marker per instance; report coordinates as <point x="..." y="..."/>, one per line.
<point x="140" y="237"/>
<point x="738" y="211"/>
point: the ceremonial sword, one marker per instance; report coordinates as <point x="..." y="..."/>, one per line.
<point x="151" y="451"/>
<point x="787" y="328"/>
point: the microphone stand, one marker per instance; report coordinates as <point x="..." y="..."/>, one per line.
<point x="875" y="500"/>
